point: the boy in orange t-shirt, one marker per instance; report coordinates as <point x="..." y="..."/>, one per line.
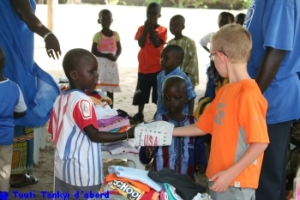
<point x="151" y="38"/>
<point x="236" y="119"/>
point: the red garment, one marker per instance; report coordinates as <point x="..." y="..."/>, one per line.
<point x="149" y="55"/>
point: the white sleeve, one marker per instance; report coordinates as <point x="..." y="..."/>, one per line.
<point x="206" y="39"/>
<point x="21" y="106"/>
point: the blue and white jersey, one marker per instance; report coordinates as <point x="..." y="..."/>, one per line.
<point x="78" y="160"/>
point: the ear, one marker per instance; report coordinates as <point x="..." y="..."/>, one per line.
<point x="112" y="20"/>
<point x="99" y="21"/>
<point x="183" y="27"/>
<point x="73" y="74"/>
<point x="159" y="16"/>
<point x="222" y="56"/>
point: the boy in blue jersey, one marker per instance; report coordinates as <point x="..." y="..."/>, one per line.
<point x="274" y="63"/>
<point x="12" y="106"/>
<point x="186" y="155"/>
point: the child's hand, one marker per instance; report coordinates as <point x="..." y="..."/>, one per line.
<point x="111" y="57"/>
<point x="148" y="24"/>
<point x="149" y="151"/>
<point x="221" y="181"/>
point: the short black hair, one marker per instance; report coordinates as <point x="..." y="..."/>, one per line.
<point x="179" y="52"/>
<point x="239" y="18"/>
<point x="73" y="58"/>
<point x="106" y="11"/>
<point x="179" y="18"/>
<point x="225" y="18"/>
<point x="153" y="4"/>
<point x="177" y="81"/>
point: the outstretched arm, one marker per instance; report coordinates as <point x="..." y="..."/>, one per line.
<point x="102" y="137"/>
<point x="25" y="12"/>
<point x="224" y="178"/>
<point x="191" y="130"/>
<point x="269" y="67"/>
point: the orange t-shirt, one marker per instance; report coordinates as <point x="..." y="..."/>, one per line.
<point x="149" y="55"/>
<point x="236" y="118"/>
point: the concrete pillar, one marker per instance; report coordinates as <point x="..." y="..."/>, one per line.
<point x="51" y="13"/>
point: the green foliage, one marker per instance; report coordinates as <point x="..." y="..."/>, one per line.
<point x="155" y="1"/>
<point x="202" y="3"/>
<point x="246" y="3"/>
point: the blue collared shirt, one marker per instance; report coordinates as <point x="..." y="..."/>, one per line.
<point x="161" y="77"/>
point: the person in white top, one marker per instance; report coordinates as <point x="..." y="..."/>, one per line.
<point x="223" y="19"/>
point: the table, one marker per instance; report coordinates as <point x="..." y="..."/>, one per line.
<point x="133" y="159"/>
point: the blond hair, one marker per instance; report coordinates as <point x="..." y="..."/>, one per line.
<point x="234" y="41"/>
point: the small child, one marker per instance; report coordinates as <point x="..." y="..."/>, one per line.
<point x="189" y="64"/>
<point x="107" y="48"/>
<point x="171" y="57"/>
<point x="236" y="119"/>
<point x="186" y="155"/>
<point x="12" y="106"/>
<point x="73" y="125"/>
<point x="151" y="38"/>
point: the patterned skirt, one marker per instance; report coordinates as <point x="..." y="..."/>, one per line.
<point x="22" y="159"/>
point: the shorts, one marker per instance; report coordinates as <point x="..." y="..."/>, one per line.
<point x="143" y="88"/>
<point x="5" y="166"/>
<point x="233" y="193"/>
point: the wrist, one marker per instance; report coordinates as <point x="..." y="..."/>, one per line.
<point x="47" y="34"/>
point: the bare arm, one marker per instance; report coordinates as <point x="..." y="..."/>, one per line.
<point x="191" y="106"/>
<point x="269" y="67"/>
<point x="118" y="53"/>
<point x="154" y="38"/>
<point x="207" y="49"/>
<point x="25" y="12"/>
<point x="101" y="137"/>
<point x="191" y="130"/>
<point x="224" y="178"/>
<point x="142" y="38"/>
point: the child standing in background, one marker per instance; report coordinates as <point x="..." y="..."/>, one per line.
<point x="212" y="74"/>
<point x="12" y="106"/>
<point x="189" y="64"/>
<point x="185" y="155"/>
<point x="107" y="48"/>
<point x="151" y="39"/>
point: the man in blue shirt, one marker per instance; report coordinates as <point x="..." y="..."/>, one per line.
<point x="274" y="63"/>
